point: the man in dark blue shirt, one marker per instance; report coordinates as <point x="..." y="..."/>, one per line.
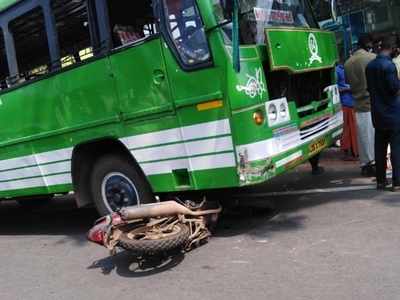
<point x="384" y="88"/>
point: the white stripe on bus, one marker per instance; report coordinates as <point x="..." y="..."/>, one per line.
<point x="36" y="182"/>
<point x="208" y="146"/>
<point x="36" y="159"/>
<point x="289" y="159"/>
<point x="215" y="161"/>
<point x="58" y="161"/>
<point x="184" y="149"/>
<point x="173" y="135"/>
<point x="152" y="139"/>
<point x="60" y="167"/>
<point x="53" y="156"/>
<point x="204" y="130"/>
<point x="199" y="131"/>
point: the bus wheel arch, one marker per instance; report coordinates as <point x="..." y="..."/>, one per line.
<point x="86" y="158"/>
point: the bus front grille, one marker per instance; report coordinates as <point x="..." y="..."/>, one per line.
<point x="313" y="129"/>
<point x="302" y="88"/>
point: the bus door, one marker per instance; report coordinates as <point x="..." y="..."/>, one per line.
<point x="194" y="77"/>
<point x="137" y="61"/>
<point x="196" y="87"/>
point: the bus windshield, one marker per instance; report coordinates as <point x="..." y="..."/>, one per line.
<point x="256" y="15"/>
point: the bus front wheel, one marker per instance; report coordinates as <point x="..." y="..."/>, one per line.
<point x="117" y="183"/>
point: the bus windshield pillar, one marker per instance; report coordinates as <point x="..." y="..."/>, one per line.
<point x="11" y="53"/>
<point x="104" y="26"/>
<point x="52" y="36"/>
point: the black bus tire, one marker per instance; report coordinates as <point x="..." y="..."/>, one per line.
<point x="110" y="169"/>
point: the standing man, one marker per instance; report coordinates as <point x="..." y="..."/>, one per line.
<point x="384" y="87"/>
<point x="355" y="69"/>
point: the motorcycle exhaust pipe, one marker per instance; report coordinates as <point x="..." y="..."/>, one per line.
<point x="161" y="210"/>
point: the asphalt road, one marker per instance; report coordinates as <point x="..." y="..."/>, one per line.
<point x="329" y="245"/>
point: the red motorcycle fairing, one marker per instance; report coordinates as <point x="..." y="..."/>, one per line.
<point x="98" y="232"/>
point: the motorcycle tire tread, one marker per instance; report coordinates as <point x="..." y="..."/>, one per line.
<point x="152" y="247"/>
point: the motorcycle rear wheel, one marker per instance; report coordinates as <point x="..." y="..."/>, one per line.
<point x="175" y="240"/>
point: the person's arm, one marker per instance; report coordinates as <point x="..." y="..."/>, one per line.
<point x="341" y="81"/>
<point x="345" y="89"/>
<point x="348" y="73"/>
<point x="392" y="80"/>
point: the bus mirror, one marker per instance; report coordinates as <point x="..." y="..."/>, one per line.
<point x="334" y="10"/>
<point x="227" y="6"/>
<point x="231" y="13"/>
<point x="235" y="36"/>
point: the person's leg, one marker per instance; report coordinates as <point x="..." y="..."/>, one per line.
<point x="314" y="162"/>
<point x="381" y="145"/>
<point x="366" y="138"/>
<point x="360" y="131"/>
<point x="353" y="133"/>
<point x="348" y="142"/>
<point x="395" y="158"/>
<point x="370" y="138"/>
<point x="345" y="142"/>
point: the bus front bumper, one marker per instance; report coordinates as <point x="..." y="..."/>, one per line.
<point x="290" y="146"/>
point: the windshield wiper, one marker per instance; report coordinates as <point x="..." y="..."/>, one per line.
<point x="219" y="25"/>
<point x="226" y="21"/>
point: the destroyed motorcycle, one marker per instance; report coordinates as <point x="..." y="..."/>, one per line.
<point x="151" y="229"/>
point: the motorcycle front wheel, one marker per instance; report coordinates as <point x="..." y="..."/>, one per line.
<point x="146" y="240"/>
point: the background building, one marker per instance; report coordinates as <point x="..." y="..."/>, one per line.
<point x="357" y="17"/>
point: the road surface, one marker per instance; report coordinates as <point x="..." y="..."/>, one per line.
<point x="331" y="237"/>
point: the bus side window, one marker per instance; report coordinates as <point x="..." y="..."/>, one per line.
<point x="4" y="72"/>
<point x="31" y="46"/>
<point x="131" y="21"/>
<point x="72" y="25"/>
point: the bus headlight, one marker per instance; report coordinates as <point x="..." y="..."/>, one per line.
<point x="272" y="113"/>
<point x="283" y="111"/>
<point x="277" y="111"/>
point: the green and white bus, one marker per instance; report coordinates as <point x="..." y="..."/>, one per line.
<point x="118" y="101"/>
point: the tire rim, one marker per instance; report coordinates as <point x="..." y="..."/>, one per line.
<point x="118" y="191"/>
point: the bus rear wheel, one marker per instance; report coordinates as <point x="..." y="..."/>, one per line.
<point x="117" y="183"/>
